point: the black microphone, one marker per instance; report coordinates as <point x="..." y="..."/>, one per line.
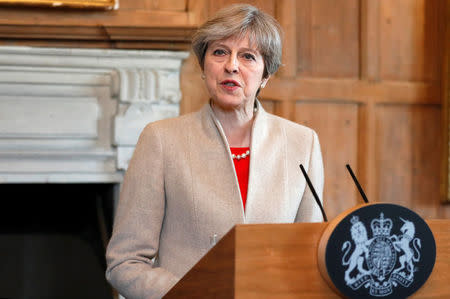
<point x="361" y="191"/>
<point x="314" y="193"/>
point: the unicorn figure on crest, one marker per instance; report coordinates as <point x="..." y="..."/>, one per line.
<point x="402" y="244"/>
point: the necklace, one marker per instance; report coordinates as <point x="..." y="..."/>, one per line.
<point x="241" y="156"/>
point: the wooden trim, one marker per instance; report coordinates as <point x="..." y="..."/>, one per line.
<point x="353" y="90"/>
<point x="367" y="156"/>
<point x="131" y="18"/>
<point x="287" y="15"/>
<point x="370" y="40"/>
<point x="123" y="25"/>
<point x="198" y="11"/>
<point x="171" y="38"/>
<point x="95" y="44"/>
<point x="445" y="164"/>
<point x="52" y="32"/>
<point x="80" y="4"/>
<point x="285" y="109"/>
<point x="159" y="34"/>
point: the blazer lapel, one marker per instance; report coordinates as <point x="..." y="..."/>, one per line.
<point x="225" y="165"/>
<point x="268" y="173"/>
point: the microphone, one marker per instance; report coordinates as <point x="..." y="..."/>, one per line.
<point x="316" y="197"/>
<point x="361" y="191"/>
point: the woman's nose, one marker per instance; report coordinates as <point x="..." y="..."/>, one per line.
<point x="232" y="64"/>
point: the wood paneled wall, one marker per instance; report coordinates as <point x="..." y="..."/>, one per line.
<point x="366" y="75"/>
<point x="137" y="24"/>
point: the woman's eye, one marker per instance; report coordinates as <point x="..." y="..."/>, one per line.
<point x="249" y="56"/>
<point x="219" y="52"/>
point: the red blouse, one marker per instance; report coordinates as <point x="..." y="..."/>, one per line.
<point x="242" y="167"/>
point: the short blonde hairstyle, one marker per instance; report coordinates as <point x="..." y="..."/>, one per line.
<point x="241" y="20"/>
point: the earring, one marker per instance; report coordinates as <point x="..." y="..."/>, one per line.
<point x="203" y="76"/>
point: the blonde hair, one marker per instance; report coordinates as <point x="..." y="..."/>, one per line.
<point x="241" y="20"/>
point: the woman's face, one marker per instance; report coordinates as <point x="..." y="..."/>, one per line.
<point x="233" y="71"/>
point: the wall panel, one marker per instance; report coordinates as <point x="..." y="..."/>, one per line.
<point x="171" y="5"/>
<point x="409" y="40"/>
<point x="266" y="5"/>
<point x="177" y="5"/>
<point x="336" y="125"/>
<point x="408" y="156"/>
<point x="328" y="38"/>
<point x="268" y="105"/>
<point x="193" y="88"/>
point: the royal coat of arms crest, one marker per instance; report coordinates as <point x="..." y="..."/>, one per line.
<point x="383" y="261"/>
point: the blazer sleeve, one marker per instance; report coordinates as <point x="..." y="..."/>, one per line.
<point x="137" y="225"/>
<point x="308" y="210"/>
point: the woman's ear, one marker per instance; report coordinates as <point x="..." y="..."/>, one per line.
<point x="264" y="81"/>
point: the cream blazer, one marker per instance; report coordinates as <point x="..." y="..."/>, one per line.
<point x="181" y="189"/>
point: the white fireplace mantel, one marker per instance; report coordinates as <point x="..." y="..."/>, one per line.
<point x="74" y="115"/>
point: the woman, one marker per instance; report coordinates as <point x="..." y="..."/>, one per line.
<point x="192" y="178"/>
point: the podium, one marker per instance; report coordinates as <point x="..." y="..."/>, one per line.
<point x="281" y="261"/>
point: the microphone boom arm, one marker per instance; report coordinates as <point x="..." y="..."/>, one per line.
<point x="313" y="191"/>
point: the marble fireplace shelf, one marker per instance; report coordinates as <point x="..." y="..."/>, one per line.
<point x="74" y="115"/>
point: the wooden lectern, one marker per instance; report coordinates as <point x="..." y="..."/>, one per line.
<point x="280" y="261"/>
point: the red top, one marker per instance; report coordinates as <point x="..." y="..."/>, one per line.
<point x="242" y="167"/>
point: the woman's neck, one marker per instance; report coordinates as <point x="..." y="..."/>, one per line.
<point x="236" y="124"/>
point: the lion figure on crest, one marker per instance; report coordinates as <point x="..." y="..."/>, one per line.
<point x="361" y="251"/>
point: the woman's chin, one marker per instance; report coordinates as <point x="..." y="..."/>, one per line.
<point x="228" y="106"/>
<point x="229" y="103"/>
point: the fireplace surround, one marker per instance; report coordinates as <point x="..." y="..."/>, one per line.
<point x="74" y="115"/>
<point x="69" y="121"/>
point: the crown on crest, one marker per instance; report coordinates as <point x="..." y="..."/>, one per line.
<point x="381" y="226"/>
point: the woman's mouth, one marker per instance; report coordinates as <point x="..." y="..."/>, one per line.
<point x="230" y="85"/>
